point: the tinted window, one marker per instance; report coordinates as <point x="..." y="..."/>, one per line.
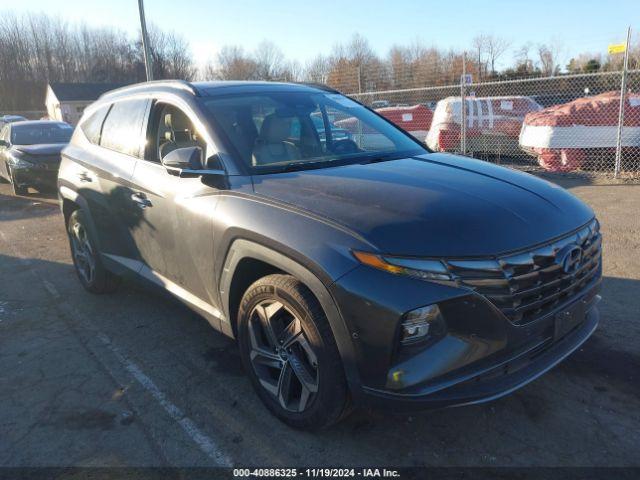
<point x="272" y="131"/>
<point x="122" y="130"/>
<point x="41" y="133"/>
<point x="92" y="126"/>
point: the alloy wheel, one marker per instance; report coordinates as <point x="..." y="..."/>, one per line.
<point x="83" y="252"/>
<point x="281" y="355"/>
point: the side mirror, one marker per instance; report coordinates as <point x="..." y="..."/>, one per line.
<point x="188" y="162"/>
<point x="189" y="158"/>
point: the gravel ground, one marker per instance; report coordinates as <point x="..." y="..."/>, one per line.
<point x="136" y="379"/>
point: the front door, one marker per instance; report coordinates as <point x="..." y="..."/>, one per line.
<point x="175" y="234"/>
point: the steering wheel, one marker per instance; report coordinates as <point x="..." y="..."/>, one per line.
<point x="345" y="146"/>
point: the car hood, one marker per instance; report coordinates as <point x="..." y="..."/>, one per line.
<point x="38" y="150"/>
<point x="433" y="205"/>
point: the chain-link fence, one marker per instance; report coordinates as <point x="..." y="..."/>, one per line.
<point x="564" y="123"/>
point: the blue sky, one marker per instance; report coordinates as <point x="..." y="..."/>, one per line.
<point x="303" y="28"/>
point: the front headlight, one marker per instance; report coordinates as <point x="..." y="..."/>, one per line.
<point x="17" y="161"/>
<point x="413" y="267"/>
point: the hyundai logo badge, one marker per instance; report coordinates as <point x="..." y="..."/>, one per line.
<point x="570" y="258"/>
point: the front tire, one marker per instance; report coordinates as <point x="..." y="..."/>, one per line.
<point x="94" y="277"/>
<point x="289" y="352"/>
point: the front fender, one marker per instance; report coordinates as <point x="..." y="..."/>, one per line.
<point x="242" y="249"/>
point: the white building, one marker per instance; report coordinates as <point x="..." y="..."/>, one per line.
<point x="66" y="101"/>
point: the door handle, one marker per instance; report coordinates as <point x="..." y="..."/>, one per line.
<point x="85" y="177"/>
<point x="141" y="199"/>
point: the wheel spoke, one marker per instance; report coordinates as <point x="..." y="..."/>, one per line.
<point x="261" y="356"/>
<point x="290" y="333"/>
<point x="281" y="356"/>
<point x="82" y="252"/>
<point x="305" y="394"/>
<point x="304" y="344"/>
<point x="302" y="373"/>
<point x="90" y="268"/>
<point x="284" y="385"/>
<point x="265" y="314"/>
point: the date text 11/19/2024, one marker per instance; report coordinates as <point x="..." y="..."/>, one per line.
<point x="316" y="472"/>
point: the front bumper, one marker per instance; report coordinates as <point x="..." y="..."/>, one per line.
<point x="489" y="383"/>
<point x="483" y="356"/>
<point x="36" y="176"/>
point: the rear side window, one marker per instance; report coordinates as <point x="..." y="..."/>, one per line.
<point x="122" y="130"/>
<point x="92" y="126"/>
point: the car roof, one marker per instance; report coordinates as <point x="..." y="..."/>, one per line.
<point x="226" y="87"/>
<point x="212" y="88"/>
<point x="37" y="123"/>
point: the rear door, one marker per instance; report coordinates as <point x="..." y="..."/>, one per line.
<point x="105" y="180"/>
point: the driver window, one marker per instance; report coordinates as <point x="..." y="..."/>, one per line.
<point x="171" y="129"/>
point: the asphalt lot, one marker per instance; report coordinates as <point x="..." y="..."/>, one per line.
<point x="136" y="379"/>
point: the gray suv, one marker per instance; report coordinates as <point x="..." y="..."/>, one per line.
<point x="354" y="267"/>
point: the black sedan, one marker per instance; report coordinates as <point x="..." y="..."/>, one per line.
<point x="30" y="153"/>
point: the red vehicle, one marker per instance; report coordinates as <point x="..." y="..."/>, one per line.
<point x="563" y="136"/>
<point x="415" y="120"/>
<point x="493" y="123"/>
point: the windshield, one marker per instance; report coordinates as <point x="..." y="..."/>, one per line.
<point x="41" y="134"/>
<point x="296" y="130"/>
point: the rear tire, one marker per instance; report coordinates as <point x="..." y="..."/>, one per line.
<point x="92" y="274"/>
<point x="290" y="354"/>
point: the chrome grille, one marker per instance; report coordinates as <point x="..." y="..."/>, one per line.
<point x="526" y="286"/>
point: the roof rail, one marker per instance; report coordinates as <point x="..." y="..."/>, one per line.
<point x="181" y="84"/>
<point x="319" y="86"/>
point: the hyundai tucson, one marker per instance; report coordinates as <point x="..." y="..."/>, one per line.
<point x="351" y="271"/>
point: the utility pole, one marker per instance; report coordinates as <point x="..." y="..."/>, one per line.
<point x="463" y="105"/>
<point x="145" y="42"/>
<point x="623" y="96"/>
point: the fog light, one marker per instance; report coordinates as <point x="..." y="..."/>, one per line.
<point x="422" y="324"/>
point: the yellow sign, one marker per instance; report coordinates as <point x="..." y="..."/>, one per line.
<point x="617" y="48"/>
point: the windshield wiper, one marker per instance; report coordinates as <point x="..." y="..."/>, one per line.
<point x="289" y="167"/>
<point x="361" y="159"/>
<point x="375" y="158"/>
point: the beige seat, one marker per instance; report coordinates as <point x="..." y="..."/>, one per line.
<point x="271" y="145"/>
<point x="178" y="133"/>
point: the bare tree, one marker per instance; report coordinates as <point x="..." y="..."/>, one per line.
<point x="37" y="49"/>
<point x="317" y="70"/>
<point x="480" y="49"/>
<point x="270" y="62"/>
<point x="525" y="65"/>
<point x="495" y="48"/>
<point x="170" y="55"/>
<point x="233" y="63"/>
<point x="548" y="57"/>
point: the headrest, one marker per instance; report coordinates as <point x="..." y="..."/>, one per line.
<point x="275" y="128"/>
